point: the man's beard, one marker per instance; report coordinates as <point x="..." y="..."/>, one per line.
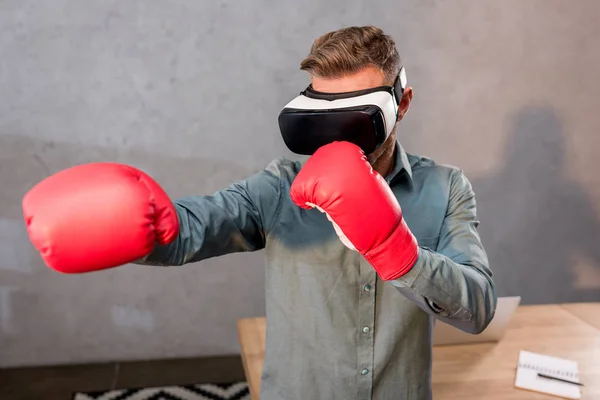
<point x="388" y="146"/>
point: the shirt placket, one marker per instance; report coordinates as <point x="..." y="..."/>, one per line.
<point x="366" y="326"/>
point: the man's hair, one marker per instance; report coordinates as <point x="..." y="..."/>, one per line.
<point x="348" y="50"/>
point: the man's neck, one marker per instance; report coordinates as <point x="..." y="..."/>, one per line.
<point x="386" y="162"/>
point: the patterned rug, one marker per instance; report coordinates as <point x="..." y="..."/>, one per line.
<point x="232" y="391"/>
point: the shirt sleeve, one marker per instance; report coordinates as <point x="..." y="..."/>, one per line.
<point x="232" y="220"/>
<point x="454" y="283"/>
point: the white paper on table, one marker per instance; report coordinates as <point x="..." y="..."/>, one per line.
<point x="530" y="364"/>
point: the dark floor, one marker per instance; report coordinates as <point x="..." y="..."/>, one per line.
<point x="60" y="383"/>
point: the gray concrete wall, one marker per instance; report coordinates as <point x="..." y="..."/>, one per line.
<point x="189" y="91"/>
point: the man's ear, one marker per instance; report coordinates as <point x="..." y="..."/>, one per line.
<point x="404" y="105"/>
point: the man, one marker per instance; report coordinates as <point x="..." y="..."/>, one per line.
<point x="362" y="253"/>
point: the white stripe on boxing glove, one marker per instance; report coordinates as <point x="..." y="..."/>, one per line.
<point x="338" y="230"/>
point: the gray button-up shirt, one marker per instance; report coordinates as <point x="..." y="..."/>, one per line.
<point x="335" y="330"/>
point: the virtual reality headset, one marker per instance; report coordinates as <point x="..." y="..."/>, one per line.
<point x="365" y="117"/>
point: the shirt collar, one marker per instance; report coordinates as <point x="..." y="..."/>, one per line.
<point x="401" y="165"/>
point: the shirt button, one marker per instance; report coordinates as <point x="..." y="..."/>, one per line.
<point x="367" y="288"/>
<point x="364" y="371"/>
<point x="366" y="329"/>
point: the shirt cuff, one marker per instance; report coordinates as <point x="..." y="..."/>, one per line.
<point x="409" y="278"/>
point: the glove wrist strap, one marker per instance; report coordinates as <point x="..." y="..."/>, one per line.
<point x="396" y="256"/>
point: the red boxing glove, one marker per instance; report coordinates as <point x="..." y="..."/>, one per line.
<point x="97" y="216"/>
<point x="339" y="180"/>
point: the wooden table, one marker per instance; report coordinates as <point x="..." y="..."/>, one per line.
<point x="589" y="312"/>
<point x="488" y="370"/>
<point x="252" y="334"/>
<point x="485" y="370"/>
